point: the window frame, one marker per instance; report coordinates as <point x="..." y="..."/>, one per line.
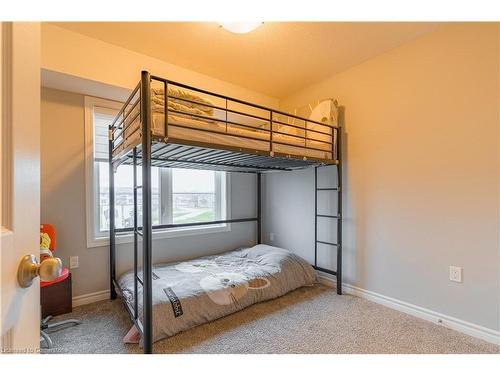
<point x="95" y="237"/>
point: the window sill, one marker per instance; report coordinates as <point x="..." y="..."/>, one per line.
<point x="158" y="235"/>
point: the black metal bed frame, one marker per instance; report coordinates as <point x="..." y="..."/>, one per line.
<point x="180" y="153"/>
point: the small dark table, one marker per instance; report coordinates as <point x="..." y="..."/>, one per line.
<point x="56" y="296"/>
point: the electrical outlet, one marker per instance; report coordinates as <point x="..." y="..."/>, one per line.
<point x="73" y="262"/>
<point x="456" y="274"/>
<point x="271" y="236"/>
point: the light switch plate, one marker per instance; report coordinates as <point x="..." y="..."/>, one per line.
<point x="73" y="262"/>
<point x="456" y="274"/>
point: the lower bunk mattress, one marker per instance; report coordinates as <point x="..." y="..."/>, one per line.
<point x="194" y="292"/>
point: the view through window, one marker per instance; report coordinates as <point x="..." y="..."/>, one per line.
<point x="193" y="196"/>
<point x="124" y="197"/>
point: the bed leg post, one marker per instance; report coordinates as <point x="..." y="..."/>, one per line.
<point x="147" y="318"/>
<point x="315" y="216"/>
<point x="259" y="208"/>
<point x="339" y="203"/>
<point x="112" y="245"/>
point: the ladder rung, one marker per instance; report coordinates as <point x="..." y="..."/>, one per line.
<point x="138" y="279"/>
<point x="138" y="187"/>
<point x="327" y="243"/>
<point x="139" y="233"/>
<point x="331" y="188"/>
<point x="330" y="216"/>
<point x="325" y="270"/>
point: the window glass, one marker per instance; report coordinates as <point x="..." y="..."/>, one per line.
<point x="193" y="196"/>
<point x="124" y="196"/>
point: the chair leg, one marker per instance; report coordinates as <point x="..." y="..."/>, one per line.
<point x="64" y="322"/>
<point x="46" y="325"/>
<point x="47" y="339"/>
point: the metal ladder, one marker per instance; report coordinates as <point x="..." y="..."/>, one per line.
<point x="337" y="217"/>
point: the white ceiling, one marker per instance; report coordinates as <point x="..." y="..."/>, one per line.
<point x="277" y="59"/>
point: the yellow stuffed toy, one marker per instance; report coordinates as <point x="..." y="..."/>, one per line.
<point x="44" y="247"/>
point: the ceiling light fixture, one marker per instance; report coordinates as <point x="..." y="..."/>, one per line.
<point x="240" y="27"/>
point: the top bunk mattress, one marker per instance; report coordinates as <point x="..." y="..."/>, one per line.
<point x="187" y="294"/>
<point x="191" y="118"/>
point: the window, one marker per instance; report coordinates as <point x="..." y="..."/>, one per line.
<point x="178" y="195"/>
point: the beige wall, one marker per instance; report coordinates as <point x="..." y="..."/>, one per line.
<point x="63" y="201"/>
<point x="421" y="173"/>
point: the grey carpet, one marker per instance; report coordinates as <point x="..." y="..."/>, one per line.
<point x="308" y="320"/>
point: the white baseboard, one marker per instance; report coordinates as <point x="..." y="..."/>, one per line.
<point x="85" y="299"/>
<point x="456" y="324"/>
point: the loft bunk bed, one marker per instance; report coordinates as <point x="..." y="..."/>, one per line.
<point x="172" y="125"/>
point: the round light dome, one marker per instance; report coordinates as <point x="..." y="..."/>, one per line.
<point x="240" y="27"/>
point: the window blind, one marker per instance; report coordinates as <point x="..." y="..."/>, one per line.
<point x="101" y="142"/>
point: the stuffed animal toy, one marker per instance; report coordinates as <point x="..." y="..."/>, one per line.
<point x="45" y="247"/>
<point x="44" y="240"/>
